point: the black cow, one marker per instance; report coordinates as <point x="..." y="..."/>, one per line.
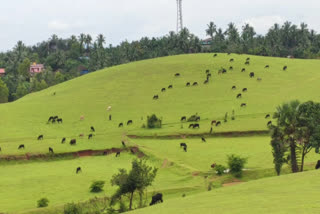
<point x="203" y="139"/>
<point x="183" y="145"/>
<point x="251" y="74"/>
<point x="156" y="199"/>
<point x="78" y="170"/>
<point x="285" y="68"/>
<point x="318" y="164"/>
<point x="243" y="104"/>
<point x="53" y="120"/>
<point x="230" y="68"/>
<point x="155" y="97"/>
<point x="63" y="140"/>
<point x="208" y="75"/>
<point x="163" y="89"/>
<point x="185" y="148"/>
<point x="188" y="84"/>
<point x="224" y="71"/>
<point x="55" y="117"/>
<point x="170" y="86"/>
<point x="243" y="70"/>
<point x="40" y="137"/>
<point x="129" y="122"/>
<point x="118" y="154"/>
<point x="90" y="136"/>
<point x="247" y="63"/>
<point x="195" y="84"/>
<point x="92" y="129"/>
<point x="73" y="142"/>
<point x="123" y="143"/>
<point x="21" y="146"/>
<point x="234" y="87"/>
<point x="198" y="118"/>
<point x="191" y="126"/>
<point x="239" y="96"/>
<point x="218" y="123"/>
<point x="206" y="82"/>
<point x="267" y="116"/>
<point x="184" y="118"/>
<point x="196" y="125"/>
<point x="267" y="66"/>
<point x="244" y="90"/>
<point x="248" y="59"/>
<point x="50" y="150"/>
<point x="207" y="71"/>
<point x="231" y="60"/>
<point x="120" y="125"/>
<point x="110" y="116"/>
<point x="59" y="120"/>
<point x="214" y="55"/>
<point x="269" y="123"/>
<point x="50" y="118"/>
<point x="177" y="75"/>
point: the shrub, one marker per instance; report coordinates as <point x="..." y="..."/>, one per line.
<point x="233" y="116"/>
<point x="154" y="122"/>
<point x="236" y="164"/>
<point x="220" y="169"/>
<point x="72" y="208"/>
<point x="193" y="118"/>
<point x="43" y="202"/>
<point x="226" y="117"/>
<point x="97" y="186"/>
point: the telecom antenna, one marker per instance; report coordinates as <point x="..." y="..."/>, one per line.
<point x="179" y="16"/>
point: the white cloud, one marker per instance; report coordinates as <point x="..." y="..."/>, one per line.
<point x="261" y="24"/>
<point x="56" y="25"/>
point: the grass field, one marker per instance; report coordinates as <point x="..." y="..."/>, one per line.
<point x="129" y="90"/>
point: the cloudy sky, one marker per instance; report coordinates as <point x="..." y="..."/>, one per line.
<point x="36" y="20"/>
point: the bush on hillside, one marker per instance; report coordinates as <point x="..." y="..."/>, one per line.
<point x="193" y="118"/>
<point x="236" y="164"/>
<point x="97" y="186"/>
<point x="43" y="202"/>
<point x="72" y="208"/>
<point x="154" y="122"/>
<point x="220" y="169"/>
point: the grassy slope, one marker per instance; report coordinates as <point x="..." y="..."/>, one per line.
<point x="294" y="193"/>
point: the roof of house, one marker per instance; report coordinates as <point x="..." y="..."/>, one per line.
<point x="207" y="40"/>
<point x="2" y="71"/>
<point x="37" y="66"/>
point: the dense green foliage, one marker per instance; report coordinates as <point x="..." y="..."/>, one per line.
<point x="43" y="202"/>
<point x="97" y="186"/>
<point x="153" y="122"/>
<point x="236" y="165"/>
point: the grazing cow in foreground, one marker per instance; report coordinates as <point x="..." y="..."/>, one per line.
<point x="177" y="75"/>
<point x="73" y="142"/>
<point x="78" y="170"/>
<point x="156" y="199"/>
<point x="90" y="136"/>
<point x="92" y="129"/>
<point x="195" y="84"/>
<point x="196" y="125"/>
<point x="234" y="87"/>
<point x="155" y="97"/>
<point x="170" y="86"/>
<point x="218" y="123"/>
<point x="267" y="116"/>
<point x="285" y="68"/>
<point x="163" y="89"/>
<point x="50" y="150"/>
<point x="269" y="123"/>
<point x="40" y="137"/>
<point x="63" y="140"/>
<point x="123" y="143"/>
<point x="21" y="146"/>
<point x="243" y="70"/>
<point x="183" y="145"/>
<point x="231" y="60"/>
<point x="120" y="125"/>
<point x="118" y="154"/>
<point x="213" y="122"/>
<point x="239" y="96"/>
<point x="191" y="126"/>
<point x="213" y="165"/>
<point x="184" y="118"/>
<point x="203" y="139"/>
<point x="251" y="74"/>
<point x="247" y="63"/>
<point x="59" y="120"/>
<point x="267" y="66"/>
<point x="129" y="122"/>
<point x="243" y="105"/>
<point x="318" y="164"/>
<point x="188" y="84"/>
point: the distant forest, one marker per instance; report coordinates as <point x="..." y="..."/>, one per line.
<point x="64" y="59"/>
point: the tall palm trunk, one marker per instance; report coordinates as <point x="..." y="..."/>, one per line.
<point x="294" y="164"/>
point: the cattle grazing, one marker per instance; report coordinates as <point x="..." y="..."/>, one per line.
<point x="120" y="125"/>
<point x="191" y="126"/>
<point x="170" y="86"/>
<point x="195" y="84"/>
<point x="248" y="59"/>
<point x="155" y="97"/>
<point x="218" y="123"/>
<point x="82" y="117"/>
<point x="230" y="68"/>
<point x="53" y="121"/>
<point x="206" y="82"/>
<point x="231" y="60"/>
<point x="224" y="71"/>
<point x="214" y="55"/>
<point x="196" y="125"/>
<point x="184" y="118"/>
<point x="63" y="140"/>
<point x="243" y="104"/>
<point x="239" y="96"/>
<point x="50" y="118"/>
<point x="183" y="145"/>
<point x="129" y="122"/>
<point x="21" y="146"/>
<point x="90" y="136"/>
<point x="259" y="79"/>
<point x="188" y="84"/>
<point x="156" y="199"/>
<point x="197" y="118"/>
<point x="247" y="63"/>
<point x="55" y="117"/>
<point x="207" y="71"/>
<point x="73" y="142"/>
<point x="213" y="122"/>
<point x="203" y="139"/>
<point x="185" y="148"/>
<point x="213" y="165"/>
<point x="208" y="75"/>
<point x="92" y="129"/>
<point x="78" y="170"/>
<point x="267" y="116"/>
<point x="318" y="164"/>
<point x="50" y="150"/>
<point x="110" y="116"/>
<point x="251" y="74"/>
<point x="285" y="68"/>
<point x="244" y="90"/>
<point x="40" y="137"/>
<point x="269" y="123"/>
<point x="177" y="75"/>
<point x="117" y="154"/>
<point x="123" y="143"/>
<point x="267" y="66"/>
<point x="243" y="70"/>
<point x="163" y="89"/>
<point x="234" y="87"/>
<point x="59" y="120"/>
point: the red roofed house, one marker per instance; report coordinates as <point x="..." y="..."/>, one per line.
<point x="2" y="72"/>
<point x="36" y="68"/>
